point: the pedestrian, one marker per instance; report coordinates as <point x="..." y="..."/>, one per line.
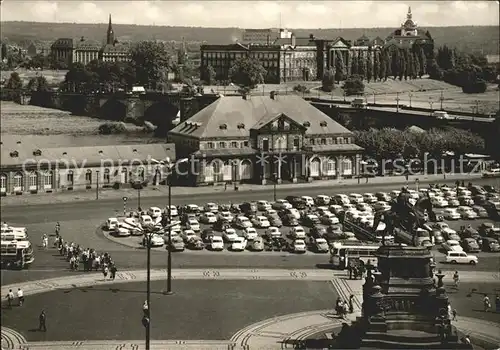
<point x="497" y="303"/>
<point x="349" y="269"/>
<point x="486" y="303"/>
<point x="454" y="314"/>
<point x="20" y="296"/>
<point x="45" y="241"/>
<point x="105" y="270"/>
<point x="113" y="272"/>
<point x="344" y="310"/>
<point x="10" y="297"/>
<point x="351" y="304"/>
<point x="456" y="279"/>
<point x="58" y="227"/>
<point x="145" y="308"/>
<point x="457" y="183"/>
<point x="42" y="319"/>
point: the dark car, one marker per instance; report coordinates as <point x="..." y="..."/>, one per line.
<point x="249" y="208"/>
<point x="296" y="202"/>
<point x="188" y="216"/>
<point x="275" y="221"/>
<point x="490" y="244"/>
<point x="470" y="245"/>
<point x="318" y="231"/>
<point x="310" y="220"/>
<point x="479" y="199"/>
<point x="487" y="229"/>
<point x="477" y="190"/>
<point x="289" y="220"/>
<point x="195" y="243"/>
<point x="490" y="189"/>
<point x="221" y="225"/>
<point x="383" y="196"/>
<point x="207" y="235"/>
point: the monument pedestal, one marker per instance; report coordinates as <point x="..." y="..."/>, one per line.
<point x="402" y="308"/>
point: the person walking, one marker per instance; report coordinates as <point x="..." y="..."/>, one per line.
<point x="42" y="322"/>
<point x="45" y="241"/>
<point x="497" y="303"/>
<point x="456" y="279"/>
<point x="20" y="296"/>
<point x="58" y="228"/>
<point x="112" y="271"/>
<point x="351" y="303"/>
<point x="454" y="314"/>
<point x="105" y="271"/>
<point x="145" y="308"/>
<point x="10" y="297"/>
<point x="486" y="303"/>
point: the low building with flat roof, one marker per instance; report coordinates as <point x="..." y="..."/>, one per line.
<point x="27" y="168"/>
<point x="257" y="139"/>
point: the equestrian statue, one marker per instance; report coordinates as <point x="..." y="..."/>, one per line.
<point x="404" y="215"/>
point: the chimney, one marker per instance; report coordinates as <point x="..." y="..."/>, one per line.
<point x="311" y="36"/>
<point x="82" y="39"/>
<point x="293" y="40"/>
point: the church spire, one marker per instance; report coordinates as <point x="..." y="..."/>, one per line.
<point x="409" y="15"/>
<point x="110" y="36"/>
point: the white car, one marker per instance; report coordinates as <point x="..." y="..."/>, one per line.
<point x="342" y="199"/>
<point x="309" y="201"/>
<point x="299" y="246"/>
<point x="250" y="233"/>
<point x="211" y="207"/>
<point x="173" y="210"/>
<point x="394" y="193"/>
<point x="193" y="224"/>
<point x="157" y="241"/>
<point x="281" y="204"/>
<point x="242" y="222"/>
<point x="216" y="243"/>
<point x="369" y="198"/>
<point x="111" y="223"/>
<point x="356" y="198"/>
<point x="414" y="194"/>
<point x="329" y="219"/>
<point x="461" y="258"/>
<point x="193" y="208"/>
<point x="298" y="232"/>
<point x="239" y="244"/>
<point x="263" y="205"/>
<point x="176" y="226"/>
<point x="452" y="246"/>
<point x="439" y="202"/>
<point x="321" y="199"/>
<point x="154" y="212"/>
<point x="146" y="220"/>
<point x="451" y="214"/>
<point x="226" y="216"/>
<point x="364" y="207"/>
<point x="208" y="218"/>
<point x="121" y="231"/>
<point x="188" y="234"/>
<point x="467" y="213"/>
<point x="261" y="222"/>
<point x="230" y="235"/>
<point x="273" y="232"/>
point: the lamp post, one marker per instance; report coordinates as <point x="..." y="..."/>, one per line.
<point x="274" y="185"/>
<point x="139" y="187"/>
<point x="431" y="102"/>
<point x="410" y="95"/>
<point x="397" y="101"/>
<point x="97" y="186"/>
<point x="441" y="98"/>
<point x="148" y="234"/>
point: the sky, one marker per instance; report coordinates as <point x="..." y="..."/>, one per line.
<point x="256" y="14"/>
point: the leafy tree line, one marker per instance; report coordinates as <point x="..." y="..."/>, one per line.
<point x="388" y="143"/>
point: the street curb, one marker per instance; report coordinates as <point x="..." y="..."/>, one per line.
<point x="11" y="338"/>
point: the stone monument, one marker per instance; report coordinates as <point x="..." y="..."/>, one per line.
<point x="403" y="305"/>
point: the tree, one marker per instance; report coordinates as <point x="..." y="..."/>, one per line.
<point x="340" y="68"/>
<point x="354" y="85"/>
<point x="38" y="83"/>
<point x="369" y="68"/>
<point x="14" y="86"/>
<point x="401" y="64"/>
<point x="388" y="65"/>
<point x="328" y="82"/>
<point x="362" y="65"/>
<point x="416" y="66"/>
<point x="80" y="79"/>
<point x="354" y="64"/>
<point x="209" y="75"/>
<point x="247" y="72"/>
<point x="150" y="60"/>
<point x="4" y="51"/>
<point x="376" y="66"/>
<point x="422" y="62"/>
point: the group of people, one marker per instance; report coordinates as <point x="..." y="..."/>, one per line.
<point x="342" y="307"/>
<point x="75" y="254"/>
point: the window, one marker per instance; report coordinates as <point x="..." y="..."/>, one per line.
<point x="88" y="177"/>
<point x="346" y="140"/>
<point x="33" y="181"/>
<point x="18" y="182"/>
<point x="313" y="142"/>
<point x="234" y="144"/>
<point x="330" y="167"/>
<point x="296" y="143"/>
<point x="69" y="177"/>
<point x="222" y="145"/>
<point x="323" y="141"/>
<point x="107" y="178"/>
<point x="245" y="143"/>
<point x="280" y="143"/>
<point x="347" y="166"/>
<point x="47" y="180"/>
<point x="265" y="145"/>
<point x="210" y="145"/>
<point x="3" y="183"/>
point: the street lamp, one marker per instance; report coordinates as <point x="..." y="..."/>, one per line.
<point x="171" y="166"/>
<point x="397" y="101"/>
<point x="410" y="95"/>
<point x="274" y="185"/>
<point x="431" y="102"/>
<point x="97" y="186"/>
<point x="148" y="234"/>
<point x="138" y="185"/>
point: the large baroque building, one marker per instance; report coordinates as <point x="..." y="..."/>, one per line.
<point x="27" y="168"/>
<point x="84" y="50"/>
<point x="264" y="138"/>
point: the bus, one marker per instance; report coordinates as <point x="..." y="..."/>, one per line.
<point x="14" y="236"/>
<point x="341" y="253"/>
<point x="16" y="254"/>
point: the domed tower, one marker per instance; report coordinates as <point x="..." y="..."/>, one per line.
<point x="110" y="36"/>
<point x="409" y="28"/>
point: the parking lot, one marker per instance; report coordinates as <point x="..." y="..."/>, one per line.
<point x="299" y="224"/>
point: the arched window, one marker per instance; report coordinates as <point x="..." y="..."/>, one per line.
<point x="3" y="183"/>
<point x="329" y="167"/>
<point x="314" y="167"/>
<point x="47" y="180"/>
<point x="347" y="166"/>
<point x="88" y="177"/>
<point x="246" y="170"/>
<point x="18" y="182"/>
<point x="124" y="175"/>
<point x="141" y="173"/>
<point x="280" y="143"/>
<point x="33" y="181"/>
<point x="70" y="178"/>
<point x="107" y="178"/>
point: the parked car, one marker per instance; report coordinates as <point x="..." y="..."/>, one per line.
<point x="263" y="205"/>
<point x="299" y="246"/>
<point x="355" y="198"/>
<point x="177" y="244"/>
<point x="296" y="201"/>
<point x="239" y="244"/>
<point x="369" y="198"/>
<point x="110" y="224"/>
<point x="329" y="219"/>
<point x="451" y="214"/>
<point x="310" y="220"/>
<point x="461" y="258"/>
<point x="248" y="208"/>
<point x="250" y="233"/>
<point x="261" y="222"/>
<point x="187" y="235"/>
<point x="321" y="199"/>
<point x="121" y="231"/>
<point x="216" y="243"/>
<point x="317" y="231"/>
<point x="485" y="228"/>
<point x="242" y="222"/>
<point x="208" y="218"/>
<point x="257" y="245"/>
<point x="320" y="245"/>
<point x="281" y="204"/>
<point x="490" y="244"/>
<point x="154" y="212"/>
<point x="439" y="202"/>
<point x="383" y="196"/>
<point x="298" y="232"/>
<point x="470" y="245"/>
<point x="309" y="201"/>
<point x="230" y="235"/>
<point x="195" y="243"/>
<point x="380" y="205"/>
<point x="453" y="202"/>
<point x="289" y="220"/>
<point x="273" y="232"/>
<point x="211" y="207"/>
<point x="480" y="211"/>
<point x="452" y="246"/>
<point x="467" y="213"/>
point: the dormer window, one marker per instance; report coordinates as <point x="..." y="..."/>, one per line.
<point x="14" y="154"/>
<point x="222" y="144"/>
<point x="210" y="145"/>
<point x="223" y="126"/>
<point x="37" y="153"/>
<point x="323" y="124"/>
<point x="241" y="126"/>
<point x="306" y="124"/>
<point x="134" y="150"/>
<point x="65" y="153"/>
<point x="100" y="152"/>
